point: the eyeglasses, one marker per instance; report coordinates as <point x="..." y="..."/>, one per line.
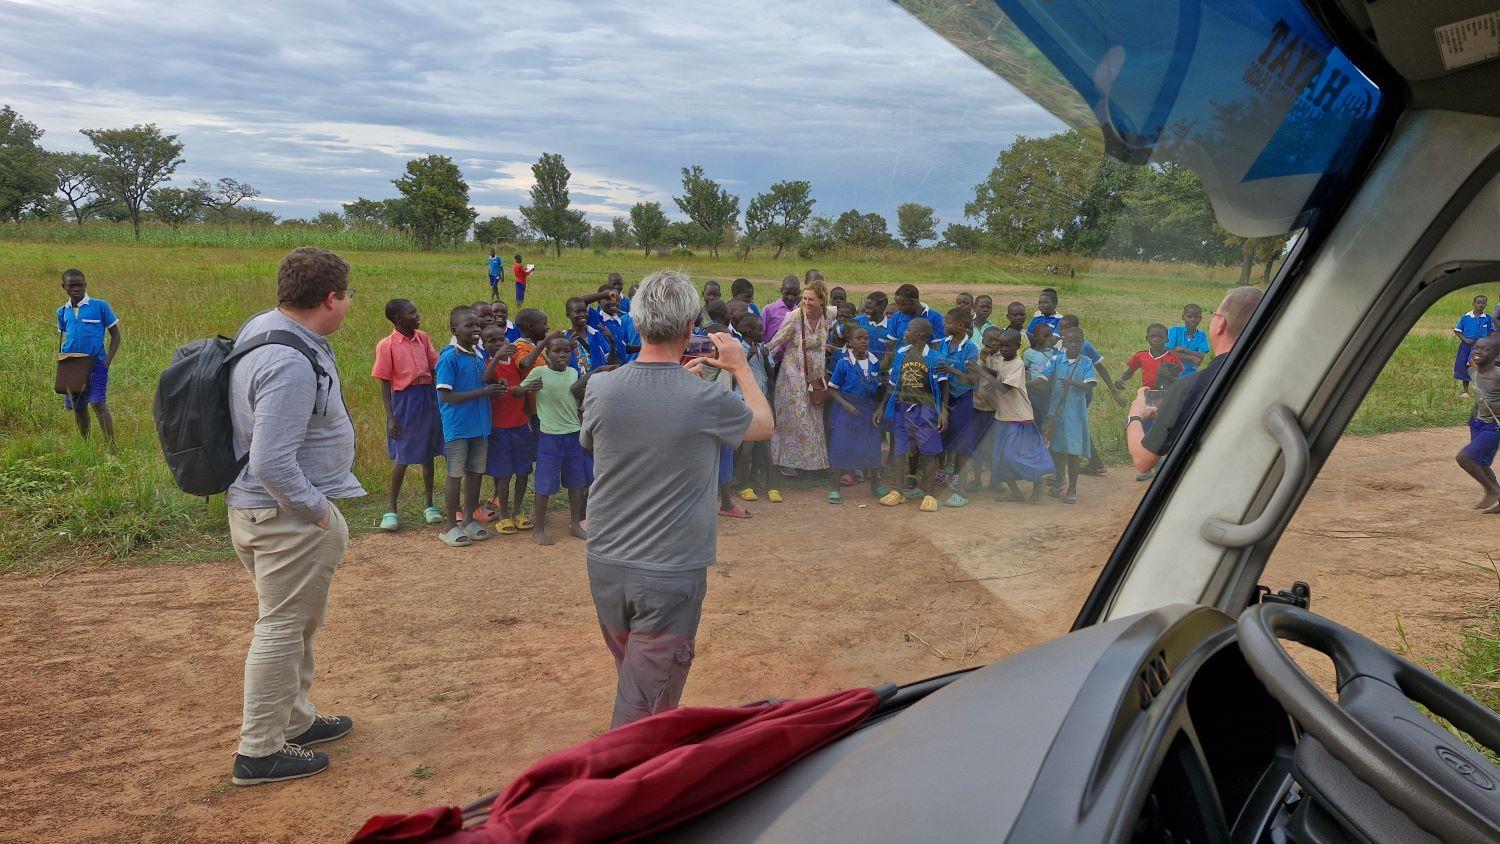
<point x="348" y="293"/>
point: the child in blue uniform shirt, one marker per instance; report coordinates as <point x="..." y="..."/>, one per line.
<point x="1472" y="327"/>
<point x="853" y="421"/>
<point x="1188" y="343"/>
<point x="464" y="408"/>
<point x="954" y="353"/>
<point x="497" y="274"/>
<point x="83" y="322"/>
<point x="916" y="403"/>
<point x="1073" y="380"/>
<point x="873" y="319"/>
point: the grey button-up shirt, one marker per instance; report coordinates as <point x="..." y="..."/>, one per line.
<point x="296" y="430"/>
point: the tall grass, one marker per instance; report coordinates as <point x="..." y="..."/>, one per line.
<point x="236" y="235"/>
<point x="62" y="499"/>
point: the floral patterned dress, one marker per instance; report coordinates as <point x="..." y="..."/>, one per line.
<point x="799" y="441"/>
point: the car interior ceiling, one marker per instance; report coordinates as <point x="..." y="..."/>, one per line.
<point x="1404" y="32"/>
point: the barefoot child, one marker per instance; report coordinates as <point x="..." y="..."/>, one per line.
<point x="1073" y="380"/>
<point x="463" y="404"/>
<point x="1019" y="452"/>
<point x="916" y="403"/>
<point x="1484" y="427"/>
<point x="854" y="420"/>
<point x="512" y="446"/>
<point x="754" y="459"/>
<point x="404" y="364"/>
<point x="561" y="463"/>
<point x="1472" y="327"/>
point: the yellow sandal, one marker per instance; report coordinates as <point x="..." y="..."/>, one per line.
<point x="774" y="496"/>
<point x="505" y="527"/>
<point x="523" y="522"/>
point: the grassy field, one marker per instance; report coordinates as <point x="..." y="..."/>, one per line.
<point x="64" y="501"/>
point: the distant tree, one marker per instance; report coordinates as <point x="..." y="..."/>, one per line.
<point x="373" y="212"/>
<point x="46" y="208"/>
<point x="1166" y="216"/>
<point x="916" y="223"/>
<point x="962" y="237"/>
<point x="621" y="230"/>
<point x="251" y="216"/>
<point x="865" y="230"/>
<point x="434" y="202"/>
<point x="709" y="206"/>
<point x="327" y="220"/>
<point x="132" y="163"/>
<point x="817" y="235"/>
<point x="602" y="237"/>
<point x="175" y="206"/>
<point x="222" y="196"/>
<point x="550" y="213"/>
<point x="112" y="212"/>
<point x="648" y="225"/>
<point x="778" y="215"/>
<point x="27" y="172"/>
<point x="75" y="181"/>
<point x="1268" y="252"/>
<point x="497" y="230"/>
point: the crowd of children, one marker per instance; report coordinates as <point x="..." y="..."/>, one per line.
<point x="918" y="400"/>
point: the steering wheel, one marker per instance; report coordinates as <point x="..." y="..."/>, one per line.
<point x="1432" y="776"/>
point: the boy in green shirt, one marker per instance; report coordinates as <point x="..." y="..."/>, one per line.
<point x="561" y="462"/>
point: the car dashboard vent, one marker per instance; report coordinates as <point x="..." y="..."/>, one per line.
<point x="1153" y="676"/>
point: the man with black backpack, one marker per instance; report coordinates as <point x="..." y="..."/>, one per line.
<point x="288" y="415"/>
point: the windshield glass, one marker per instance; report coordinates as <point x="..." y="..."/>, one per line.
<point x="947" y="261"/>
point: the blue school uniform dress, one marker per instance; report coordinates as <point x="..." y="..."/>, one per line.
<point x="854" y="441"/>
<point x="879" y="333"/>
<point x="622" y="327"/>
<point x="83" y="327"/>
<point x="915" y="423"/>
<point x="1177" y="338"/>
<point x="960" y="395"/>
<point x="897" y="322"/>
<point x="1070" y="435"/>
<point x="1054" y="320"/>
<point x="1471" y="329"/>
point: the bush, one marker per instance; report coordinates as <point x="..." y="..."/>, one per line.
<point x="680" y="252"/>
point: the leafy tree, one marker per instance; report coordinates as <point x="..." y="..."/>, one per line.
<point x="549" y="213"/>
<point x="132" y="163"/>
<point x="175" y="206"/>
<point x="962" y="237"/>
<point x="27" y="172"/>
<point x="709" y="206"/>
<point x="222" y="196"/>
<point x="648" y="225"/>
<point x="817" y="236"/>
<point x="75" y="181"/>
<point x="327" y="220"/>
<point x="46" y="208"/>
<point x="864" y="230"/>
<point x="1166" y="216"/>
<point x="373" y="212"/>
<point x="620" y="227"/>
<point x="916" y="223"/>
<point x="251" y="216"/>
<point x="434" y="201"/>
<point x="778" y="215"/>
<point x="497" y="230"/>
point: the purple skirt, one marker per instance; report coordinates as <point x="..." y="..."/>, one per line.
<point x="853" y="443"/>
<point x="415" y="409"/>
<point x="1461" y="362"/>
<point x="1020" y="454"/>
<point x="960" y="420"/>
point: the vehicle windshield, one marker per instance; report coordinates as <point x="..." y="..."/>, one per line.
<point x="948" y="262"/>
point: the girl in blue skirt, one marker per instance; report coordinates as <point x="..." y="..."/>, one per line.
<point x="854" y="420"/>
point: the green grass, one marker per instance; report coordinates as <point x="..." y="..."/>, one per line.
<point x="64" y="502"/>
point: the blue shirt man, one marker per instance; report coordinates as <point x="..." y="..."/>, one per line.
<point x="462" y="370"/>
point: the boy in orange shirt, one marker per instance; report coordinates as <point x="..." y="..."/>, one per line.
<point x="403" y="364"/>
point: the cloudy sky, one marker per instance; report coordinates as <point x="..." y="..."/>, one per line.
<point x="318" y="102"/>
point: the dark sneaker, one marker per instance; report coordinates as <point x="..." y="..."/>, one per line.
<point x="289" y="763"/>
<point x="324" y="728"/>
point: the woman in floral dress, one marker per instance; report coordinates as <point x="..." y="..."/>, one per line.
<point x="799" y="442"/>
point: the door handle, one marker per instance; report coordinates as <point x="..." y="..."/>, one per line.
<point x="1282" y="423"/>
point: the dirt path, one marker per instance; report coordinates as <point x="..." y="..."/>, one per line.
<point x="120" y="686"/>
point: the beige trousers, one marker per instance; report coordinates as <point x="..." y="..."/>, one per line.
<point x="291" y="563"/>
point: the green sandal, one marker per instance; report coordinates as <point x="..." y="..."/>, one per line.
<point x="956" y="500"/>
<point x="390" y="521"/>
<point x="835" y="498"/>
<point x="432" y="516"/>
<point x="881" y="491"/>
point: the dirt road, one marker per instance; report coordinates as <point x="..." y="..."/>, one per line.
<point x="121" y="685"/>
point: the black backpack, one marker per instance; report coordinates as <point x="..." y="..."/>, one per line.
<point x="192" y="409"/>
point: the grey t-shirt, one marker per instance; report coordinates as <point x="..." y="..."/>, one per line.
<point x="656" y="429"/>
<point x="1486" y="394"/>
<point x="296" y="430"/>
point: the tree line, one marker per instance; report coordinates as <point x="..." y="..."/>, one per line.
<point x="1044" y="195"/>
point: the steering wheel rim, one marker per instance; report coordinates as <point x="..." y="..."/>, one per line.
<point x="1420" y="788"/>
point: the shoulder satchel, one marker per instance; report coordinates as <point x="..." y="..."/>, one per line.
<point x="817" y="388"/>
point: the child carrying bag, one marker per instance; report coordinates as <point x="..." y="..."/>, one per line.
<point x="73" y="374"/>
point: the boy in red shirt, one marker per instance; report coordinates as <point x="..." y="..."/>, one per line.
<point x="1149" y="360"/>
<point x="521" y="272"/>
<point x="512" y="447"/>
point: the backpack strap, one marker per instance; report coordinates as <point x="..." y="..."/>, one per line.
<point x="281" y="337"/>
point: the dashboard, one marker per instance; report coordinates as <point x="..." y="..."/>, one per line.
<point x="1147" y="728"/>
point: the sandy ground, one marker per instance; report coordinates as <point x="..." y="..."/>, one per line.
<point x="121" y="685"/>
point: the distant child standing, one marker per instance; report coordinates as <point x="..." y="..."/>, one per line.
<point x="1186" y="342"/>
<point x="1477" y="457"/>
<point x="754" y="459"/>
<point x="916" y="403"/>
<point x="404" y="364"/>
<point x="1072" y="378"/>
<point x="463" y="403"/>
<point x="1472" y="327"/>
<point x="497" y="274"/>
<point x="521" y="271"/>
<point x="955" y="352"/>
<point x="83" y="322"/>
<point x="561" y="462"/>
<point x="854" y="420"/>
<point x="1019" y="454"/>
<point x="511" y="450"/>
